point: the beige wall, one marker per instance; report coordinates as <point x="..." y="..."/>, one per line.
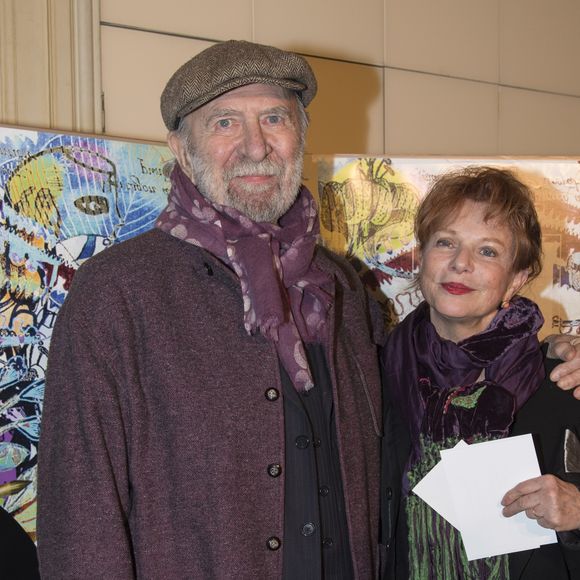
<point x="450" y="77"/>
<point x="49" y="64"/>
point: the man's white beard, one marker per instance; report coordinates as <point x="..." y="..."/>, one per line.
<point x="212" y="184"/>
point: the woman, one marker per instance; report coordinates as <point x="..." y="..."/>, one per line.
<point x="462" y="365"/>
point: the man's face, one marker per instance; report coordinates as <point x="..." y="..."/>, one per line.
<point x="244" y="150"/>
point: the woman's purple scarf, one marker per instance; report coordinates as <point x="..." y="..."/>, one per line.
<point x="508" y="351"/>
<point x="285" y="297"/>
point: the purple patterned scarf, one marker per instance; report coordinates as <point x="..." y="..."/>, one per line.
<point x="285" y="297"/>
<point x="507" y="350"/>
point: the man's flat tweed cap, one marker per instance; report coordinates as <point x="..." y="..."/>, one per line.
<point x="229" y="65"/>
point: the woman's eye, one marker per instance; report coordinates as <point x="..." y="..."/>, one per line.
<point x="489" y="252"/>
<point x="443" y="243"/>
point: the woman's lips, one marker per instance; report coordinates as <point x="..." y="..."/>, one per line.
<point x="455" y="288"/>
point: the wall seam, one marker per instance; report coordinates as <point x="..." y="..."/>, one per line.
<point x="347" y="61"/>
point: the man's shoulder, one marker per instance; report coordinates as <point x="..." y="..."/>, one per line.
<point x="152" y="250"/>
<point x="349" y="278"/>
<point x="338" y="265"/>
<point x="150" y="245"/>
<point x="138" y="263"/>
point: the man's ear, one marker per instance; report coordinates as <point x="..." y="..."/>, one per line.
<point x="179" y="149"/>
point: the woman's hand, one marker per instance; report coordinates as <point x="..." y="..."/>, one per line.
<point x="554" y="503"/>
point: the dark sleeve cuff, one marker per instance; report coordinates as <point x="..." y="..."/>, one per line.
<point x="570" y="539"/>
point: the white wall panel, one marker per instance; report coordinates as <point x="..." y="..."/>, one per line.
<point x="446" y="37"/>
<point x="347" y="113"/>
<point x="540" y="45"/>
<point x="214" y="20"/>
<point x="533" y="123"/>
<point x="336" y="28"/>
<point x="136" y="67"/>
<point x="428" y="114"/>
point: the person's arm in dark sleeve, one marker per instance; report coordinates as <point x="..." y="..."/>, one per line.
<point x="83" y="485"/>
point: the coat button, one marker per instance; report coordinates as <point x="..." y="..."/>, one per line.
<point x="273" y="543"/>
<point x="272" y="394"/>
<point x="327" y="542"/>
<point x="324" y="490"/>
<point x="308" y="529"/>
<point x="274" y="469"/>
<point x="302" y="442"/>
<point x="208" y="269"/>
<point x="389" y="492"/>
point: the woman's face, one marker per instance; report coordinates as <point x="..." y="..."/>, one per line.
<point x="466" y="272"/>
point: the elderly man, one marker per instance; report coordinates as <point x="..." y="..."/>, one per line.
<point x="215" y="413"/>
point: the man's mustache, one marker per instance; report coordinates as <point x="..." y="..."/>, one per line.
<point x="244" y="168"/>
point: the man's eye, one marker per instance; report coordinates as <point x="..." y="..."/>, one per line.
<point x="224" y="123"/>
<point x="274" y="119"/>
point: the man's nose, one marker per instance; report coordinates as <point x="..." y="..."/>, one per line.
<point x="255" y="142"/>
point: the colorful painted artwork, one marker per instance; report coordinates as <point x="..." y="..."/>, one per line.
<point x="64" y="198"/>
<point x="367" y="207"/>
<point x="67" y="197"/>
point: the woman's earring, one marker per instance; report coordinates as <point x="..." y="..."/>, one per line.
<point x="505" y="304"/>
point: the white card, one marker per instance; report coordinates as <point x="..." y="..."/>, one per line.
<point x="467" y="487"/>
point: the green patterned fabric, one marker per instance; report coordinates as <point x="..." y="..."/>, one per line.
<point x="468" y="401"/>
<point x="435" y="546"/>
